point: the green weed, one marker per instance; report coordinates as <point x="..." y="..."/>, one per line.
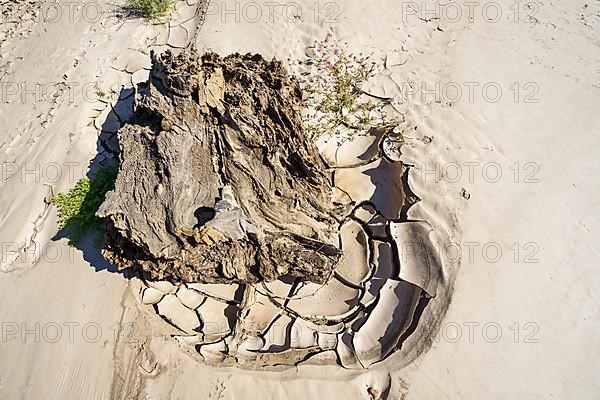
<point x="150" y="9"/>
<point x="77" y="207"/>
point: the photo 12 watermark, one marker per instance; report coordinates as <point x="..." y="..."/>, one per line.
<point x="470" y="92"/>
<point x="16" y="255"/>
<point x="471" y="11"/>
<point x="270" y="11"/>
<point x="43" y="173"/>
<point x="488" y="332"/>
<point x="70" y="92"/>
<point x="67" y="332"/>
<point x="526" y="172"/>
<point x="473" y="252"/>
<point x="52" y="12"/>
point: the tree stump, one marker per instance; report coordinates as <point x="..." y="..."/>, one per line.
<point x="218" y="181"/>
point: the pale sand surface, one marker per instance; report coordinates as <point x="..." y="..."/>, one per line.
<point x="552" y="357"/>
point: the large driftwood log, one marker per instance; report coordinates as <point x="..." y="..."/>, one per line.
<point x="218" y="181"/>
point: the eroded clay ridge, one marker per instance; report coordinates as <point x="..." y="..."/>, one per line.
<point x="218" y="181"/>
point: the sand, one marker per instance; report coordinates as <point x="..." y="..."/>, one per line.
<point x="520" y="323"/>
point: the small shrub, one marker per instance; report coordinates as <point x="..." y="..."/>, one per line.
<point x="77" y="207"/>
<point x="150" y="9"/>
<point x="333" y="83"/>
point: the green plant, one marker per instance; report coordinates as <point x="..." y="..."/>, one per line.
<point x="335" y="97"/>
<point x="150" y="9"/>
<point x="77" y="207"/>
<point x="99" y="92"/>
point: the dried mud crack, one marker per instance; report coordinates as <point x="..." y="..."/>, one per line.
<point x="245" y="247"/>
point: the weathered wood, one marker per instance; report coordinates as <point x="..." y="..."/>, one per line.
<point x="218" y="180"/>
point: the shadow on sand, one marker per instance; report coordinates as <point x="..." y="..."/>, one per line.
<point x="90" y="242"/>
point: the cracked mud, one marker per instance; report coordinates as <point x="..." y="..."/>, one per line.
<point x="259" y="249"/>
